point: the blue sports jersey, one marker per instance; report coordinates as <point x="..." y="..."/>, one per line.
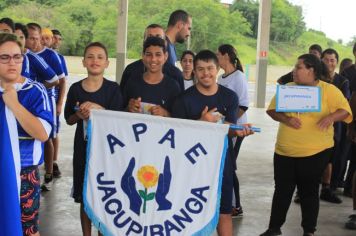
<point x="64" y="64"/>
<point x="51" y="57"/>
<point x="65" y="70"/>
<point x="32" y="95"/>
<point x="25" y="72"/>
<point x="35" y="68"/>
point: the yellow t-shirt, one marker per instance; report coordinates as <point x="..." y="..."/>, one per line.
<point x="309" y="139"/>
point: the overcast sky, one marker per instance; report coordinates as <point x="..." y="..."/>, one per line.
<point x="336" y="18"/>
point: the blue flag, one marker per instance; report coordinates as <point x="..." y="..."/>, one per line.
<point x="10" y="216"/>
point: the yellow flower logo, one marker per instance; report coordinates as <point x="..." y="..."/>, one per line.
<point x="148" y="176"/>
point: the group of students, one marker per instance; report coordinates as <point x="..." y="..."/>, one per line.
<point x="33" y="78"/>
<point x="154" y="85"/>
<point x="43" y="63"/>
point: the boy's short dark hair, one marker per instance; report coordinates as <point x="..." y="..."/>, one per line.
<point x="34" y="26"/>
<point x="316" y="47"/>
<point x="176" y="16"/>
<point x="206" y="55"/>
<point x="96" y="44"/>
<point x="9" y="22"/>
<point x="56" y="32"/>
<point x="154" y="41"/>
<point x="22" y="27"/>
<point x="330" y="51"/>
<point x="152" y="26"/>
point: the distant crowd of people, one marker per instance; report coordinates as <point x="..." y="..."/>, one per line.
<point x="311" y="147"/>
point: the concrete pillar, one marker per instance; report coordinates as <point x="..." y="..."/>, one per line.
<point x="121" y="38"/>
<point x="262" y="52"/>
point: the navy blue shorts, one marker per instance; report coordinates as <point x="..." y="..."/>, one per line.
<point x="227" y="186"/>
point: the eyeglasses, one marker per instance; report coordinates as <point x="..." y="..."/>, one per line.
<point x="5" y="31"/>
<point x="5" y="58"/>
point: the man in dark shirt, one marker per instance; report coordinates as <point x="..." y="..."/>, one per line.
<point x="137" y="68"/>
<point x="350" y="72"/>
<point x="178" y="31"/>
<point x="333" y="173"/>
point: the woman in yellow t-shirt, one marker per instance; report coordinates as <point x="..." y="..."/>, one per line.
<point x="303" y="147"/>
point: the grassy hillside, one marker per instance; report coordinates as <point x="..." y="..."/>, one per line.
<point x="282" y="53"/>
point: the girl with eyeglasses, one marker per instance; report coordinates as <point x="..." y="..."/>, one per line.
<point x="28" y="102"/>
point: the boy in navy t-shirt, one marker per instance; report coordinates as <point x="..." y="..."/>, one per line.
<point x="153" y="92"/>
<point x="93" y="92"/>
<point x="208" y="101"/>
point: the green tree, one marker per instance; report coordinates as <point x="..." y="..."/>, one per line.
<point x="287" y="22"/>
<point x="50" y="2"/>
<point x="6" y="3"/>
<point x="213" y="24"/>
<point x="104" y="29"/>
<point x="249" y="9"/>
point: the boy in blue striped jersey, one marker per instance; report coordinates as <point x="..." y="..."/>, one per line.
<point x="52" y="59"/>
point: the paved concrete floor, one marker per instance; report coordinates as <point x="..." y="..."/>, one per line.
<point x="59" y="215"/>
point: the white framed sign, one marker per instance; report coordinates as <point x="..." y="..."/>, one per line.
<point x="298" y="98"/>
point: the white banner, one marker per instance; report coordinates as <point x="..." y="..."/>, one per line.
<point x="149" y="175"/>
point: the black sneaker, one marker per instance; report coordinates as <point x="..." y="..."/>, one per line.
<point x="237" y="212"/>
<point x="341" y="184"/>
<point x="351" y="224"/>
<point x="329" y="196"/>
<point x="56" y="172"/>
<point x="47" y="183"/>
<point x="272" y="232"/>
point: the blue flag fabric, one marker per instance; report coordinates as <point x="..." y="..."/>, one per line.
<point x="10" y="217"/>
